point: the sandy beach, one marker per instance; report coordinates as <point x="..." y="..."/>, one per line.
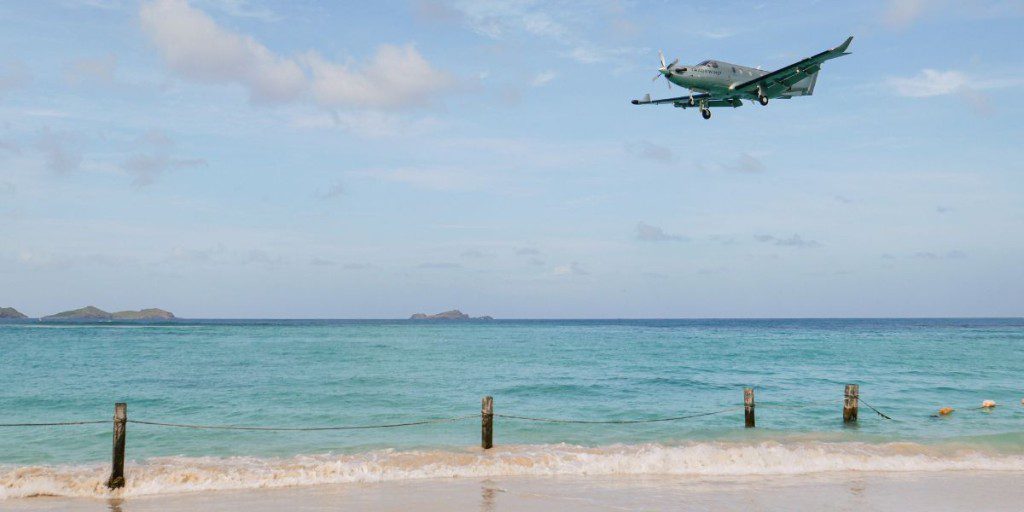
<point x="905" y="492"/>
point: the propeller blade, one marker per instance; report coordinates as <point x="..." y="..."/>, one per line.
<point x="673" y="63"/>
<point x="656" y="77"/>
<point x="661" y="56"/>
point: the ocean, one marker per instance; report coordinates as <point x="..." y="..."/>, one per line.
<point x="319" y="373"/>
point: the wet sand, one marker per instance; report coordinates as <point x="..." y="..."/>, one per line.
<point x="854" y="491"/>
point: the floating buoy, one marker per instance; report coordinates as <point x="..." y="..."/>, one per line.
<point x="945" y="411"/>
<point x="988" y="404"/>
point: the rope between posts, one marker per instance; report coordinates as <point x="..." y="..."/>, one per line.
<point x="56" y="424"/>
<point x="301" y="429"/>
<point x="615" y="422"/>
<point x="880" y="413"/>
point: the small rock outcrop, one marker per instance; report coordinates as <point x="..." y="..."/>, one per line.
<point x="448" y="315"/>
<point x="144" y="314"/>
<point x="11" y="313"/>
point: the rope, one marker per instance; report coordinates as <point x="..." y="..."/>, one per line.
<point x="300" y="429"/>
<point x="880" y="413"/>
<point x="615" y="422"/>
<point x="58" y="424"/>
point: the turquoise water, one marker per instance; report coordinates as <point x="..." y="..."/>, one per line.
<point x="322" y="373"/>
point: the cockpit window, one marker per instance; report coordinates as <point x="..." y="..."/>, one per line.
<point x="714" y="64"/>
<point x="705" y="63"/>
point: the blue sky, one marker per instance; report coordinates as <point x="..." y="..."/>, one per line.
<point x="232" y="158"/>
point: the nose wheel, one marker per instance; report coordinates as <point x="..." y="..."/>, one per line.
<point x="762" y="99"/>
<point x="705" y="113"/>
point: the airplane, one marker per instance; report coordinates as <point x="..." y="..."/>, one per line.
<point x="721" y="84"/>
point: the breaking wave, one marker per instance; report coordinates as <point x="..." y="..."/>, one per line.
<point x="164" y="475"/>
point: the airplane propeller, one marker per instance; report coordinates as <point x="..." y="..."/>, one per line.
<point x="665" y="70"/>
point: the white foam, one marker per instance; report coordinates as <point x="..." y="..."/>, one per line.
<point x="190" y="474"/>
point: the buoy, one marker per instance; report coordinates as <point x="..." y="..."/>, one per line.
<point x="988" y="404"/>
<point x="945" y="411"/>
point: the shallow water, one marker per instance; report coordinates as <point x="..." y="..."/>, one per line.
<point x="322" y="373"/>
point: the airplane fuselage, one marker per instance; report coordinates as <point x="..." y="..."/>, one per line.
<point x="712" y="76"/>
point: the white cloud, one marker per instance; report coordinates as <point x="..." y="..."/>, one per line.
<point x="648" y="233"/>
<point x="572" y="269"/>
<point x="792" y="241"/>
<point x="651" y="151"/>
<point x="543" y="78"/>
<point x="146" y="169"/>
<point x="397" y="76"/>
<point x="929" y="82"/>
<point x="900" y="13"/>
<point x="195" y="47"/>
<point x="932" y="83"/>
<point x="567" y="25"/>
<point x="154" y="157"/>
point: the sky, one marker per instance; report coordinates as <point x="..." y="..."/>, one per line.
<point x="299" y="159"/>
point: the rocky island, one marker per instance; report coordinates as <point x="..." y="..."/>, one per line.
<point x="92" y="313"/>
<point x="448" y="315"/>
<point x="7" y="313"/>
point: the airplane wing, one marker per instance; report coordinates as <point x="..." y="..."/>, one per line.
<point x="681" y="99"/>
<point x="710" y="100"/>
<point x="780" y="80"/>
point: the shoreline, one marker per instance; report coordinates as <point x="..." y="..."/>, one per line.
<point x="178" y="475"/>
<point x="979" y="491"/>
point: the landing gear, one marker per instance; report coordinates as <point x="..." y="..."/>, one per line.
<point x="692" y="103"/>
<point x="705" y="113"/>
<point x="762" y="99"/>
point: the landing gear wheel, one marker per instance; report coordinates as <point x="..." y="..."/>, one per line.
<point x="692" y="103"/>
<point x="763" y="100"/>
<point x="705" y="113"/>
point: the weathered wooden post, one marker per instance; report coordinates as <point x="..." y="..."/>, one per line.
<point x="487" y="422"/>
<point x="748" y="407"/>
<point x="120" y="423"/>
<point x="850" y="403"/>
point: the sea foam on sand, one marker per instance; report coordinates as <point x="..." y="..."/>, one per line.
<point x="166" y="475"/>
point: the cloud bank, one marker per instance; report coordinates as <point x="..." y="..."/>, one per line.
<point x="196" y="48"/>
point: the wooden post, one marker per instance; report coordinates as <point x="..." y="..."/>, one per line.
<point x="748" y="407"/>
<point x="850" y="397"/>
<point x="487" y="422"/>
<point x="120" y="423"/>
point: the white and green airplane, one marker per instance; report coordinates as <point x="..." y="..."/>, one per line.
<point x="719" y="84"/>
